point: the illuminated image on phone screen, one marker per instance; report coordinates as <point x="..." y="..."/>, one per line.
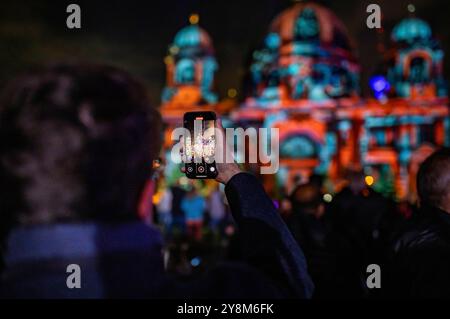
<point x="200" y="145"/>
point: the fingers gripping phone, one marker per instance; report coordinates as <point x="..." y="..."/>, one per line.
<point x="199" y="145"/>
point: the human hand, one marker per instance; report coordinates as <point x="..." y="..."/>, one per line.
<point x="226" y="169"/>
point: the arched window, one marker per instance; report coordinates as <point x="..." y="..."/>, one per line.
<point x="299" y="146"/>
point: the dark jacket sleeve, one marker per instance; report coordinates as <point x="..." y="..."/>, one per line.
<point x="266" y="242"/>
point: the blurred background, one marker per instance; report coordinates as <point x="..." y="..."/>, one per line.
<point x="135" y="34"/>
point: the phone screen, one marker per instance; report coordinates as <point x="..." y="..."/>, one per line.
<point x="200" y="145"/>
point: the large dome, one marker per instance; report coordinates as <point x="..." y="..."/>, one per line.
<point x="326" y="25"/>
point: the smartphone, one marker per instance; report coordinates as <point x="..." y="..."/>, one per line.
<point x="200" y="145"/>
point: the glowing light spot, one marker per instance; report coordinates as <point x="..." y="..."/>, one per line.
<point x="411" y="8"/>
<point x="328" y="198"/>
<point x="174" y="50"/>
<point x="232" y="93"/>
<point x="195" y="262"/>
<point x="168" y="60"/>
<point x="229" y="230"/>
<point x="369" y="180"/>
<point x="273" y="41"/>
<point x="184" y="181"/>
<point x="194" y="19"/>
<point x="157" y="198"/>
<point x="379" y="84"/>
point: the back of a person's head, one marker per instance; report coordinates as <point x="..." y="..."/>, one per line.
<point x="433" y="180"/>
<point x="77" y="144"/>
<point x="355" y="178"/>
<point x="306" y="198"/>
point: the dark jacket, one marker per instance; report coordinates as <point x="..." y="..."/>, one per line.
<point x="360" y="227"/>
<point x="419" y="263"/>
<point x="311" y="234"/>
<point x="124" y="261"/>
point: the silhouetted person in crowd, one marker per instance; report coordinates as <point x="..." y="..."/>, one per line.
<point x="193" y="206"/>
<point x="309" y="227"/>
<point x="77" y="145"/>
<point x="317" y="180"/>
<point x="361" y="221"/>
<point x="164" y="209"/>
<point x="420" y="261"/>
<point x="178" y="218"/>
<point x="217" y="210"/>
<point x="306" y="221"/>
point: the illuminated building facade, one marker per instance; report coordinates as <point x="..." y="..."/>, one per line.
<point x="191" y="66"/>
<point x="190" y="70"/>
<point x="305" y="82"/>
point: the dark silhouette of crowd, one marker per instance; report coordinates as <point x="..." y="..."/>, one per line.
<point x="360" y="227"/>
<point x="77" y="147"/>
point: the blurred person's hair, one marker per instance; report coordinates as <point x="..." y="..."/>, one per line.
<point x="356" y="179"/>
<point x="433" y="180"/>
<point x="76" y="143"/>
<point x="306" y="198"/>
<point x="317" y="179"/>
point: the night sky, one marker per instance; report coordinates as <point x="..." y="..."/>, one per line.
<point x="135" y="34"/>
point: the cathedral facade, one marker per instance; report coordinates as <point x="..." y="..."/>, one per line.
<point x="305" y="82"/>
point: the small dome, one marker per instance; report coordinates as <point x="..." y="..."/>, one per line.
<point x="317" y="21"/>
<point x="411" y="29"/>
<point x="193" y="36"/>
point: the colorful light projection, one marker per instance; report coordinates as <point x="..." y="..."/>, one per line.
<point x="306" y="54"/>
<point x="191" y="66"/>
<point x="305" y="82"/>
<point x="415" y="61"/>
